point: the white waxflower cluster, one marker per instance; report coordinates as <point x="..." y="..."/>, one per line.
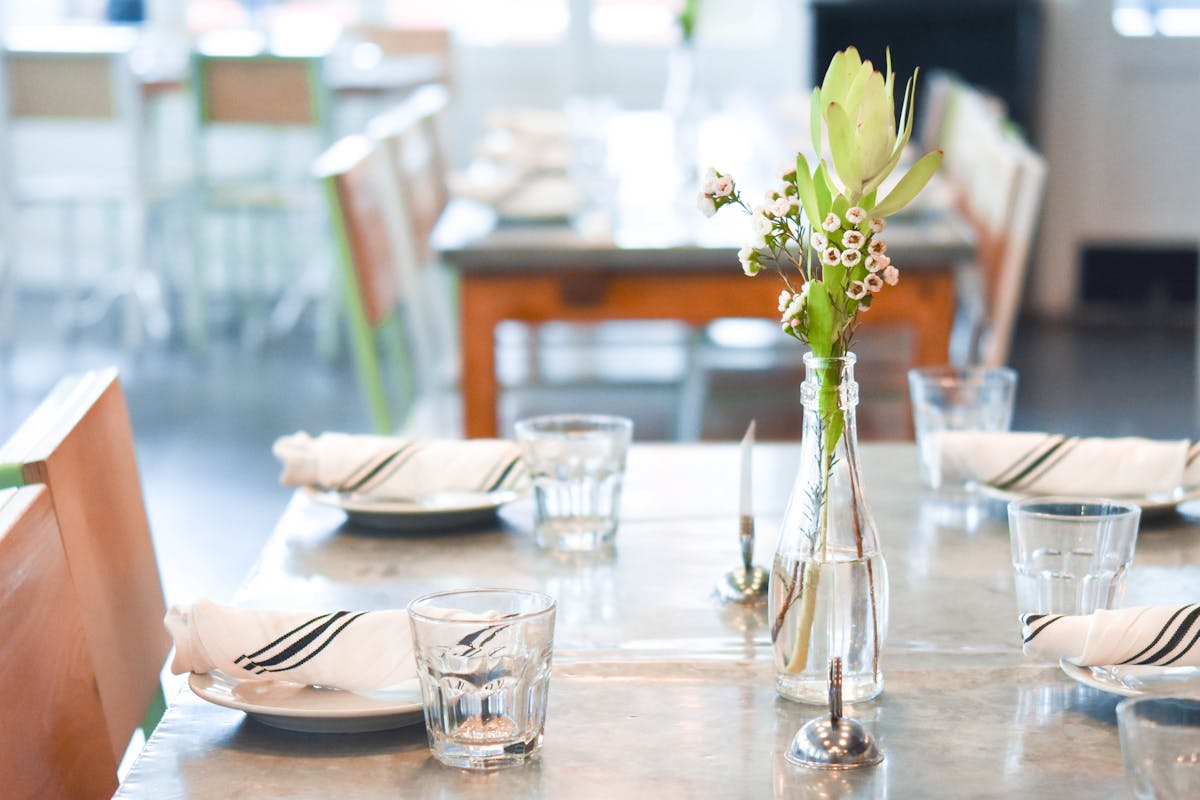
<point x="791" y="307"/>
<point x="717" y="190"/>
<point x="841" y="242"/>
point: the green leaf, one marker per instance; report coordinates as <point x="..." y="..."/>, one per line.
<point x="910" y="185"/>
<point x="843" y="144"/>
<point x="807" y="192"/>
<point x="858" y="85"/>
<point x="814" y="120"/>
<point x="842" y="68"/>
<point x="824" y="189"/>
<point x="820" y="320"/>
<point x="875" y="126"/>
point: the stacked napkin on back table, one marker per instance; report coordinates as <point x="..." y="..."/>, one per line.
<point x="1043" y="463"/>
<point x="357" y="651"/>
<point x="1145" y="635"/>
<point x="389" y="468"/>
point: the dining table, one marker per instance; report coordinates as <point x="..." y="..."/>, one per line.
<point x="658" y="688"/>
<point x="639" y="248"/>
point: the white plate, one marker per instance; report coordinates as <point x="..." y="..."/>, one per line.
<point x="436" y="512"/>
<point x="312" y="709"/>
<point x="1131" y="681"/>
<point x="1151" y="504"/>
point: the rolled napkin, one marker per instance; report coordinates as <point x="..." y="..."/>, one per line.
<point x="356" y="651"/>
<point x="1146" y="635"/>
<point x="389" y="468"/>
<point x="1044" y="463"/>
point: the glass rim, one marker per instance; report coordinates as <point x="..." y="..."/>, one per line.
<point x="848" y="358"/>
<point x="551" y="605"/>
<point x="1121" y="509"/>
<point x="943" y="375"/>
<point x="600" y="422"/>
<point x="1126" y="709"/>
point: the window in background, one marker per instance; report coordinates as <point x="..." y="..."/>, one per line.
<point x="1156" y="17"/>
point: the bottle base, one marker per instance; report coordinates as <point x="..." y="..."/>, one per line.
<point x="814" y="689"/>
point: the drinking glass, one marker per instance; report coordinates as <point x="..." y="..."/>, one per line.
<point x="949" y="398"/>
<point x="483" y="659"/>
<point x="577" y="462"/>
<point x="1160" y="744"/>
<point x="1071" y="555"/>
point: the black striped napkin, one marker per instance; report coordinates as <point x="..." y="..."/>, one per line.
<point x="1145" y="635"/>
<point x="358" y="651"/>
<point x="1044" y="463"/>
<point x="384" y="467"/>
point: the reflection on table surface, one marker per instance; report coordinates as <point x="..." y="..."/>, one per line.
<point x="657" y="686"/>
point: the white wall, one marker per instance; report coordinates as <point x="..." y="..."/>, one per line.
<point x="1120" y="128"/>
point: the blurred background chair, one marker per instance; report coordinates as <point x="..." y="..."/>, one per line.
<point x="81" y="92"/>
<point x="410" y="150"/>
<point x="54" y="742"/>
<point x="271" y="113"/>
<point x="997" y="180"/>
<point x="378" y="303"/>
<point x="78" y="443"/>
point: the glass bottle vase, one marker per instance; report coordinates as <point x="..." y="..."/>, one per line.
<point x="829" y="587"/>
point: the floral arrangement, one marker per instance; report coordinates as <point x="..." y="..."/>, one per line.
<point x="821" y="230"/>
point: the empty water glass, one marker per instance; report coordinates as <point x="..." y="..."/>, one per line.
<point x="1160" y="744"/>
<point x="577" y="463"/>
<point x="483" y="659"/>
<point x="949" y="398"/>
<point x="1071" y="555"/>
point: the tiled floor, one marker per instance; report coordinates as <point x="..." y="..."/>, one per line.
<point x="204" y="424"/>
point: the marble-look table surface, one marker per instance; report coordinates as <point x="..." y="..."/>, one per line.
<point x="659" y="689"/>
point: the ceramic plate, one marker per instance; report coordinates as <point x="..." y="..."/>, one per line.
<point x="1151" y="505"/>
<point x="312" y="709"/>
<point x="440" y="511"/>
<point x="1133" y="681"/>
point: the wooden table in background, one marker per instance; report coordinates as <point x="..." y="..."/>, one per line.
<point x="539" y="273"/>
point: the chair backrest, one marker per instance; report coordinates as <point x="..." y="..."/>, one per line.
<point x="365" y="237"/>
<point x="42" y="80"/>
<point x="998" y="181"/>
<point x="406" y="41"/>
<point x="410" y="139"/>
<point x="53" y="741"/>
<point x="410" y="143"/>
<point x="261" y="90"/>
<point x="79" y="443"/>
<point x="1008" y="265"/>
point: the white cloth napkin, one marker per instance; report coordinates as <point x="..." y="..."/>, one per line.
<point x="1044" y="463"/>
<point x="389" y="468"/>
<point x="357" y="651"/>
<point x="1158" y="635"/>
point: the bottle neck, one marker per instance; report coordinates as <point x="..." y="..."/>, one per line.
<point x="829" y="384"/>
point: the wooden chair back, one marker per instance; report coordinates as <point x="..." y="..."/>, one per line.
<point x="54" y="742"/>
<point x="365" y="240"/>
<point x="79" y="444"/>
<point x="410" y="144"/>
<point x="410" y="139"/>
<point x="406" y="41"/>
<point x="260" y="90"/>
<point x="998" y="181"/>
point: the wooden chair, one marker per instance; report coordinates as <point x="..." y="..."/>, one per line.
<point x="79" y="444"/>
<point x="54" y="742"/>
<point x="408" y="141"/>
<point x="55" y="86"/>
<point x="266" y="212"/>
<point x="998" y="181"/>
<point x="376" y="298"/>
